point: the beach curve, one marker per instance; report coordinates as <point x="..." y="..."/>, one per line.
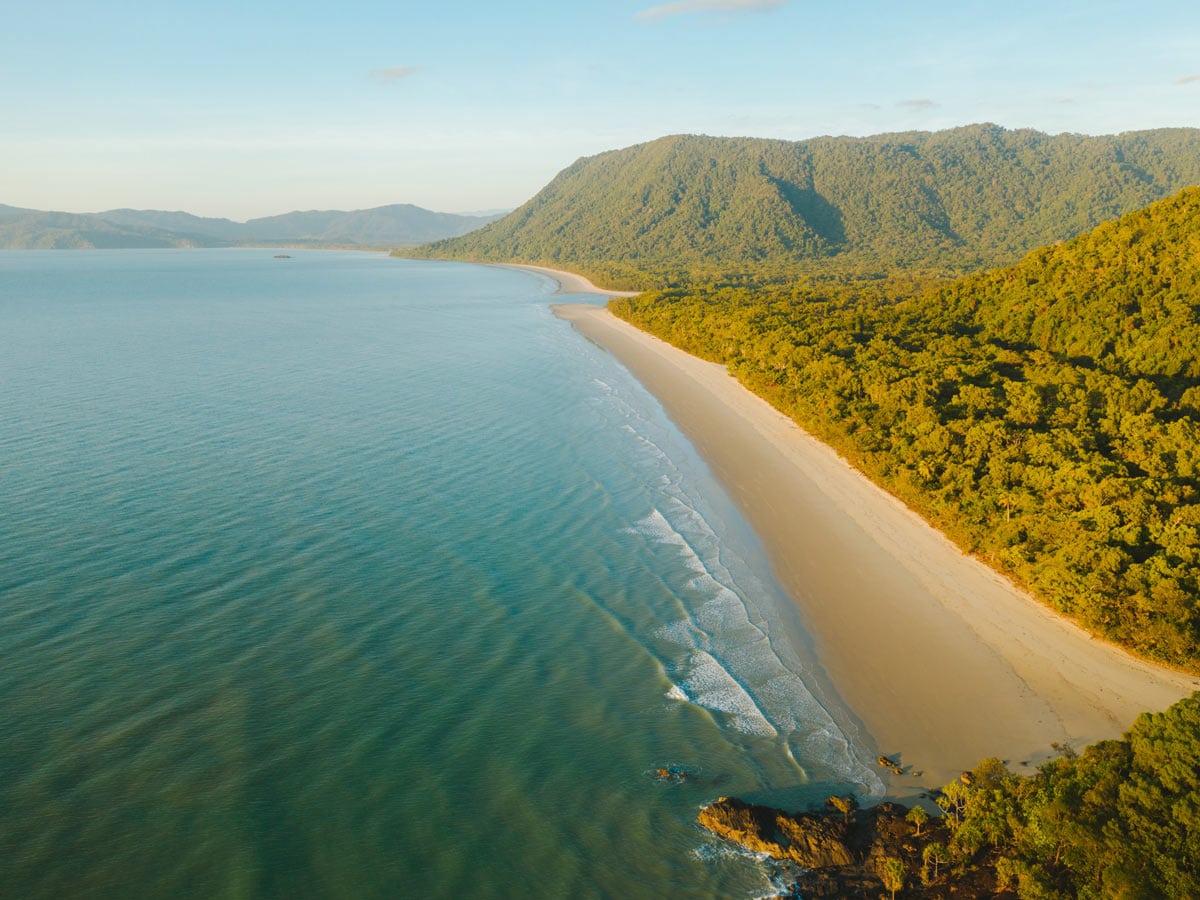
<point x="942" y="660"/>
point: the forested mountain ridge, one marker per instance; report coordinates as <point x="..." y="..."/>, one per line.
<point x="1046" y="416"/>
<point x="960" y="199"/>
<point x="1122" y="298"/>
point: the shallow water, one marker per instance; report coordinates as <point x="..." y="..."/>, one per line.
<point x="346" y="576"/>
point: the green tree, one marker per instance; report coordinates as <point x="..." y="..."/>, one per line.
<point x="934" y="854"/>
<point x="892" y="872"/>
<point x="918" y="816"/>
<point x="953" y="801"/>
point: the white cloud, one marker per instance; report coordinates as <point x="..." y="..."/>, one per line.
<point x="395" y="73"/>
<point x="1187" y="79"/>
<point x="919" y="103"/>
<point x="685" y="7"/>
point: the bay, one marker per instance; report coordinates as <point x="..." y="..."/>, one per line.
<point x="347" y="576"/>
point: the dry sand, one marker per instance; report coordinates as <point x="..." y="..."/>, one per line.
<point x="941" y="660"/>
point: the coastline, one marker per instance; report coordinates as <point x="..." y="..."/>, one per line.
<point x="942" y="660"/>
<point x="568" y="282"/>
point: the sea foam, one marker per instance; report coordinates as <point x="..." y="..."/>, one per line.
<point x="729" y="649"/>
<point x="730" y="663"/>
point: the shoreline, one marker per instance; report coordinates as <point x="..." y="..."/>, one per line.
<point x="568" y="282"/>
<point x="940" y="659"/>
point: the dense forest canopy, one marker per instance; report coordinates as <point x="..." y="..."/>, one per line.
<point x="948" y="201"/>
<point x="1122" y="819"/>
<point x="1046" y="416"/>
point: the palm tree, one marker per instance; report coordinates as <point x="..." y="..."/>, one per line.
<point x="918" y="817"/>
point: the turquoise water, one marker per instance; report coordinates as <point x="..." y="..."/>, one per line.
<point x="346" y="576"/>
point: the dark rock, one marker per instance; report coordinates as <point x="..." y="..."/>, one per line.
<point x="673" y="773"/>
<point x="813" y="842"/>
<point x="842" y="857"/>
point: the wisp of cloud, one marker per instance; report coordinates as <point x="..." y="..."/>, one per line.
<point x="683" y="7"/>
<point x="392" y="74"/>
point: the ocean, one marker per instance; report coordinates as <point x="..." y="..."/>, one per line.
<point x="349" y="576"/>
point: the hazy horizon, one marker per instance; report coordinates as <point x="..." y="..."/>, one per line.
<point x="268" y="215"/>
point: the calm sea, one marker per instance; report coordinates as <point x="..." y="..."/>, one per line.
<point x="346" y="576"/>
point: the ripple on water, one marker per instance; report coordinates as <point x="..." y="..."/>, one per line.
<point x="311" y="574"/>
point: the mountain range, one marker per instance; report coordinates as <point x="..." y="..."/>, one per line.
<point x="956" y="200"/>
<point x="382" y="227"/>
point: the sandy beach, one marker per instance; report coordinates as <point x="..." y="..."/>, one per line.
<point x="568" y="282"/>
<point x="940" y="660"/>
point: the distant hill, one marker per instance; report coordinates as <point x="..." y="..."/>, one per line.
<point x="1046" y="415"/>
<point x="8" y="213"/>
<point x="963" y="199"/>
<point x="181" y="223"/>
<point x="35" y="230"/>
<point x="384" y="226"/>
<point x="401" y="223"/>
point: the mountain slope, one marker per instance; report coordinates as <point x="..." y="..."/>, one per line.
<point x="8" y="213"/>
<point x="966" y="197"/>
<point x="177" y="222"/>
<point x="1046" y="416"/>
<point x="1121" y="299"/>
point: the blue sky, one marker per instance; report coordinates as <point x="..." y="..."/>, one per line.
<point x="247" y="108"/>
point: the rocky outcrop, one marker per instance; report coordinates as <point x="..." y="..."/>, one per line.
<point x="845" y="854"/>
<point x="813" y="842"/>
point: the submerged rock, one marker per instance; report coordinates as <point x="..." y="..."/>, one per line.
<point x="672" y="773"/>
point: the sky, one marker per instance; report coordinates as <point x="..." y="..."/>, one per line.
<point x="255" y="107"/>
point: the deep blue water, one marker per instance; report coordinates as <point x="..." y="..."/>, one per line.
<point x="347" y="576"/>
